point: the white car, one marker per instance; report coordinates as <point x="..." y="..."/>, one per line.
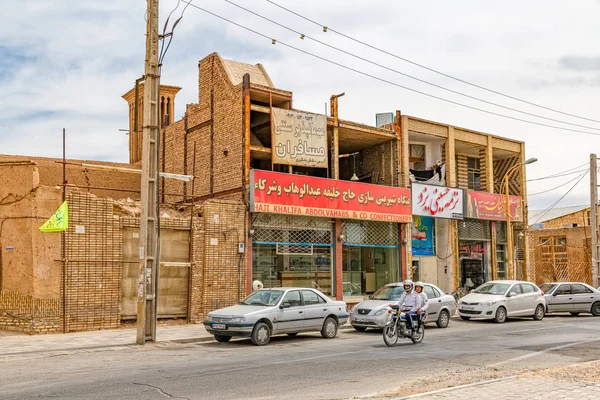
<point x="277" y="311"/>
<point x="499" y="300"/>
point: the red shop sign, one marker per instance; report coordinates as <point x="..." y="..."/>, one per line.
<point x="491" y="206"/>
<point x="279" y="193"/>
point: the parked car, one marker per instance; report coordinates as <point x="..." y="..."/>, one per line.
<point x="499" y="300"/>
<point x="572" y="297"/>
<point x="372" y="313"/>
<point x="276" y="311"/>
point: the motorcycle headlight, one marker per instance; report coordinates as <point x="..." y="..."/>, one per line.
<point x="380" y="312"/>
<point x="238" y="319"/>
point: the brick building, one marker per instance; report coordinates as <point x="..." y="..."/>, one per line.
<point x="560" y="242"/>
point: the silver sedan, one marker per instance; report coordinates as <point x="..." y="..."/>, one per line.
<point x="277" y="311"/>
<point x="572" y="297"/>
<point x="372" y="313"/>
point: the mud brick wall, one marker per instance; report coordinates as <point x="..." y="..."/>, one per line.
<point x="227" y="120"/>
<point x="93" y="269"/>
<point x="483" y="169"/>
<point x="28" y="314"/>
<point x="174" y="159"/>
<point x="224" y="269"/>
<point x="196" y="311"/>
<point x="378" y="160"/>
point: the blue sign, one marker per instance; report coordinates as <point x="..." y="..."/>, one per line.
<point x="422" y="236"/>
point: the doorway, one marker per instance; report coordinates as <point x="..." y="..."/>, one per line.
<point x="472" y="273"/>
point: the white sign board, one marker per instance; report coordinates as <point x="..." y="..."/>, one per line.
<point x="299" y="138"/>
<point x="437" y="201"/>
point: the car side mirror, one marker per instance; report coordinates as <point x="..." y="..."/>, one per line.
<point x="554" y="294"/>
<point x="511" y="294"/>
<point x="285" y="305"/>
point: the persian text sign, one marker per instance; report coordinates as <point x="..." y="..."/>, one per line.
<point x="299" y="138"/>
<point x="437" y="201"/>
<point x="278" y="193"/>
<point x="492" y="206"/>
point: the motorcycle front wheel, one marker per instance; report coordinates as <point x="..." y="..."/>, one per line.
<point x="390" y="334"/>
<point x="418" y="335"/>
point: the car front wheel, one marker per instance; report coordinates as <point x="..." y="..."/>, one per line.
<point x="500" y="316"/>
<point x="330" y="328"/>
<point x="261" y="334"/>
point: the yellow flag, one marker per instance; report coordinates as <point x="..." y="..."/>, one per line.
<point x="59" y="221"/>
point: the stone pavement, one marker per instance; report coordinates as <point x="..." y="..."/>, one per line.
<point x="579" y="381"/>
<point x="25" y="346"/>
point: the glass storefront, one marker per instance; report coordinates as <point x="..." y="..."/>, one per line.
<point x="369" y="256"/>
<point x="290" y="251"/>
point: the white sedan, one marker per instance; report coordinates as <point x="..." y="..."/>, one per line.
<point x="499" y="300"/>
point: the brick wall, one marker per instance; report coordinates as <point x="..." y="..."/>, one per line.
<point x="174" y="159"/>
<point x="580" y="218"/>
<point x="462" y="175"/>
<point x="28" y="314"/>
<point x="483" y="169"/>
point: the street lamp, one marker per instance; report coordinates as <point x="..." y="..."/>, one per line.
<point x="509" y="238"/>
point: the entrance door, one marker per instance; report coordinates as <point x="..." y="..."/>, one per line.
<point x="472" y="273"/>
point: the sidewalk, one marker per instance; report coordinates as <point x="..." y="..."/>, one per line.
<point x="580" y="381"/>
<point x="19" y="346"/>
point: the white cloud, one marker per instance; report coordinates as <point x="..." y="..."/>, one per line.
<point x="66" y="64"/>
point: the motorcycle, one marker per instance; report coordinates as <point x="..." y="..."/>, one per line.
<point x="397" y="327"/>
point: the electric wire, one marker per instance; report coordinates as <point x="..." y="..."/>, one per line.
<point x="554" y="188"/>
<point x="327" y="29"/>
<point x="275" y="41"/>
<point x="304" y="36"/>
<point x="559" y="175"/>
<point x="553" y="205"/>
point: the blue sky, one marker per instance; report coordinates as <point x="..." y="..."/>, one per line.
<point x="66" y="64"/>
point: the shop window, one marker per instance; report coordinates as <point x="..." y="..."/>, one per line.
<point x="474" y="229"/>
<point x="417" y="157"/>
<point x="474" y="173"/>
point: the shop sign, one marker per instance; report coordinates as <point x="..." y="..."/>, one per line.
<point x="492" y="207"/>
<point x="279" y="193"/>
<point x="437" y="201"/>
<point x="471" y="250"/>
<point x="299" y="138"/>
<point x="422" y="236"/>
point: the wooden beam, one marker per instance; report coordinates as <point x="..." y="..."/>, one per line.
<point x="257" y="108"/>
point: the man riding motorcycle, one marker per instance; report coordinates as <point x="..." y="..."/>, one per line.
<point x="410" y="302"/>
<point x="424" y="301"/>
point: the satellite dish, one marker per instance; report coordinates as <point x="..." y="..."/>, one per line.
<point x="257" y="285"/>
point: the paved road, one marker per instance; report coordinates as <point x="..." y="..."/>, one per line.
<point x="307" y="367"/>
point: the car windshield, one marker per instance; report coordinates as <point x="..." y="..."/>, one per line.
<point x="548" y="287"/>
<point x="492" y="288"/>
<point x="263" y="298"/>
<point x="388" y="293"/>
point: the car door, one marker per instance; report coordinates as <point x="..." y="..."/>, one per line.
<point x="435" y="303"/>
<point x="530" y="296"/>
<point x="561" y="299"/>
<point x="315" y="309"/>
<point x="583" y="297"/>
<point x="514" y="303"/>
<point x="290" y="316"/>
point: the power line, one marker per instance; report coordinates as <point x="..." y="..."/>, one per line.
<point x="559" y="200"/>
<point x="303" y="36"/>
<point x="559" y="175"/>
<point x="275" y="41"/>
<point x="327" y="29"/>
<point x="554" y="188"/>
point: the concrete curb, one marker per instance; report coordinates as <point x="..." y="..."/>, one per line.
<point x="413" y="396"/>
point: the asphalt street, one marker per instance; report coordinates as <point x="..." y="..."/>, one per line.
<point x="307" y="366"/>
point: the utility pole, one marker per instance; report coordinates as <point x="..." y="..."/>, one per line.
<point x="149" y="249"/>
<point x="594" y="217"/>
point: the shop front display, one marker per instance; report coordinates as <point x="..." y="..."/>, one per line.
<point x="294" y="236"/>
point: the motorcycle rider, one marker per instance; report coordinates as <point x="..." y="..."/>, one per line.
<point x="409" y="302"/>
<point x="424" y="304"/>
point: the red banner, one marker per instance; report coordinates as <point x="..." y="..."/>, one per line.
<point x="491" y="206"/>
<point x="279" y="193"/>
